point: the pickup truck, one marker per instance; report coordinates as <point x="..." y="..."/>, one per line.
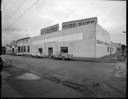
<point x="62" y="56"/>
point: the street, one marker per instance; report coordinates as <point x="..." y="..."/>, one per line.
<point x="58" y="78"/>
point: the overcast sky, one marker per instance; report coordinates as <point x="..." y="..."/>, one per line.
<point x="20" y="19"/>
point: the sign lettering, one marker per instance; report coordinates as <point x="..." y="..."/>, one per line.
<point x="72" y="24"/>
<point x="50" y="29"/>
<point x="103" y="43"/>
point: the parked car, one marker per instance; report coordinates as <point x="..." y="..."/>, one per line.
<point x="19" y="54"/>
<point x="37" y="54"/>
<point x="63" y="56"/>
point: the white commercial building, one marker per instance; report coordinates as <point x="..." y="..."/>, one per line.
<point x="82" y="38"/>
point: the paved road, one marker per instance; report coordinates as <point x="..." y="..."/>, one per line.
<point x="21" y="83"/>
<point x="97" y="76"/>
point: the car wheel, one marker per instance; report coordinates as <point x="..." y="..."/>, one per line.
<point x="63" y="58"/>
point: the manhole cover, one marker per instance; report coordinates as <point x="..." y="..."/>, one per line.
<point x="28" y="76"/>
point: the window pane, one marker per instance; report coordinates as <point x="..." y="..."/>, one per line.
<point x="108" y="49"/>
<point x="28" y="48"/>
<point x="18" y="49"/>
<point x="64" y="49"/>
<point x="24" y="48"/>
<point x="40" y="50"/>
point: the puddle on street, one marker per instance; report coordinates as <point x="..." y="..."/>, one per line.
<point x="28" y="76"/>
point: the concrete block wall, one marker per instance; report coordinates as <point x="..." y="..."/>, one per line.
<point x="102" y="35"/>
<point x="81" y="47"/>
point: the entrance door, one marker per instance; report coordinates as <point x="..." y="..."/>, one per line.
<point x="13" y="50"/>
<point x="110" y="50"/>
<point x="50" y="51"/>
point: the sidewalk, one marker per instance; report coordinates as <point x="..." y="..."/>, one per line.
<point x="7" y="90"/>
<point x="104" y="60"/>
<point x="121" y="66"/>
<point x="120" y="70"/>
<point x="118" y="81"/>
<point x="18" y="84"/>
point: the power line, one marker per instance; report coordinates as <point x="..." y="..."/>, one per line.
<point x="10" y="5"/>
<point x="18" y="6"/>
<point x="10" y="17"/>
<point x="4" y="4"/>
<point x="13" y="5"/>
<point x="7" y="4"/>
<point x="8" y="10"/>
<point x="23" y="13"/>
<point x="6" y="13"/>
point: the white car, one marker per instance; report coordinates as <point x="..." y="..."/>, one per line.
<point x="63" y="56"/>
<point x="35" y="54"/>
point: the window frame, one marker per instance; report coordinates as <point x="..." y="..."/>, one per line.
<point x="40" y="50"/>
<point x="108" y="49"/>
<point x="64" y="49"/>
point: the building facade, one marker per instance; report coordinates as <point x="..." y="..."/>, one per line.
<point x="19" y="47"/>
<point x="112" y="48"/>
<point x="11" y="48"/>
<point x="23" y="46"/>
<point x="81" y="38"/>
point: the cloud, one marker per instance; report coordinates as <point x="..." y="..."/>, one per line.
<point x="13" y="29"/>
<point x="9" y="36"/>
<point x="111" y="16"/>
<point x="118" y="37"/>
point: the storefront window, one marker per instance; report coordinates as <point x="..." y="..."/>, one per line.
<point x="21" y="48"/>
<point x="28" y="48"/>
<point x="107" y="49"/>
<point x="64" y="49"/>
<point x="24" y="48"/>
<point x="40" y="50"/>
<point x="18" y="49"/>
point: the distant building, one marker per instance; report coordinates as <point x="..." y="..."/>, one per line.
<point x="23" y="46"/>
<point x="112" y="48"/>
<point x="118" y="47"/>
<point x="19" y="47"/>
<point x="10" y="48"/>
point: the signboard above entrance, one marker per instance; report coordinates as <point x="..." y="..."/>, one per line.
<point x="50" y="29"/>
<point x="76" y="23"/>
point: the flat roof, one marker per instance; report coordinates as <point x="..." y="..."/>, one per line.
<point x="24" y="38"/>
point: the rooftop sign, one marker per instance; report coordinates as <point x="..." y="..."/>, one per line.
<point x="76" y="23"/>
<point x="50" y="29"/>
<point x="23" y="39"/>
